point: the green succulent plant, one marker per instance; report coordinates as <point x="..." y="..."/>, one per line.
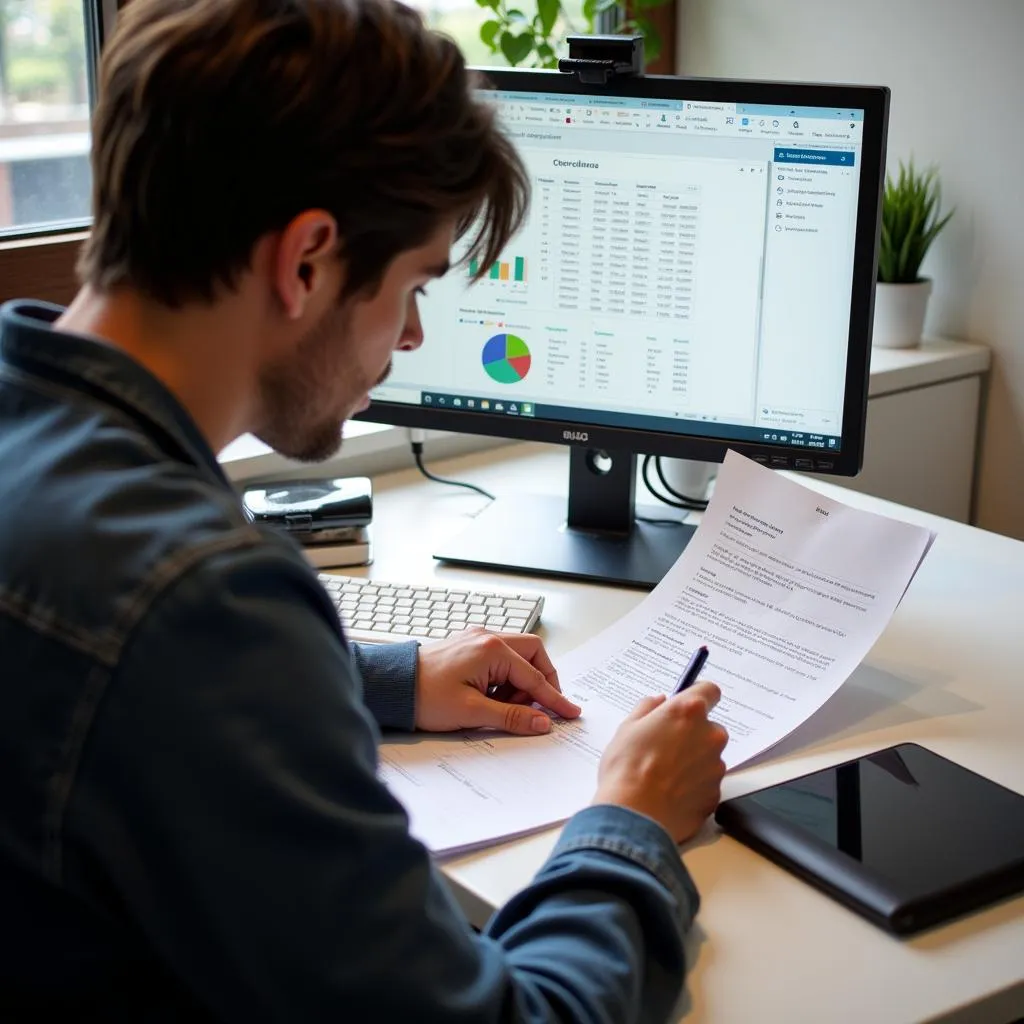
<point x="910" y="221"/>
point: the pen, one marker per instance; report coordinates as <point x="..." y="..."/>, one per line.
<point x="692" y="670"/>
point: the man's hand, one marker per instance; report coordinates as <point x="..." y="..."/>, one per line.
<point x="665" y="761"/>
<point x="480" y="679"/>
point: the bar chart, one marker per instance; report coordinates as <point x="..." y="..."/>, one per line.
<point x="510" y="270"/>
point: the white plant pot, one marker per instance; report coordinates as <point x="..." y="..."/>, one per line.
<point x="899" y="313"/>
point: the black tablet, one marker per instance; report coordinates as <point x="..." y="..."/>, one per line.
<point x="904" y="837"/>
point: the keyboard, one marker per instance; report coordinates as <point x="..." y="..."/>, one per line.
<point x="381" y="613"/>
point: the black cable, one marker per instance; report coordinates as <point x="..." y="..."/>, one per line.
<point x="676" y="500"/>
<point x="645" y="473"/>
<point x="417" y="454"/>
<point x="699" y="504"/>
<point x="684" y="502"/>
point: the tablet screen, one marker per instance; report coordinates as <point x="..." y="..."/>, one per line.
<point x="921" y="822"/>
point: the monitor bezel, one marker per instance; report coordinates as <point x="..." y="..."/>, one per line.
<point x="874" y="101"/>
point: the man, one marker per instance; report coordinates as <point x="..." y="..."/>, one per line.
<point x="191" y="827"/>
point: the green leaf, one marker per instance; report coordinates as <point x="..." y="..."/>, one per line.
<point x="589" y="10"/>
<point x="886" y="261"/>
<point x="492" y="4"/>
<point x="488" y="31"/>
<point x="548" y="58"/>
<point x="911" y="220"/>
<point x="652" y="38"/>
<point x="516" y="48"/>
<point x="548" y="11"/>
<point x="647" y="5"/>
<point x="514" y="14"/>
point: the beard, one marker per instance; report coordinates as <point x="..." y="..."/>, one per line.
<point x="306" y="397"/>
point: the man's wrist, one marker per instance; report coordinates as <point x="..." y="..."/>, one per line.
<point x="627" y="799"/>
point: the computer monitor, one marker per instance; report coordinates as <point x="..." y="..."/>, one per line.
<point x="696" y="274"/>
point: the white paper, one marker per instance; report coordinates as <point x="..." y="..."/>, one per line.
<point x="788" y="589"/>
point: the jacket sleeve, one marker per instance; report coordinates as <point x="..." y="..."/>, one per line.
<point x="388" y="672"/>
<point x="227" y="795"/>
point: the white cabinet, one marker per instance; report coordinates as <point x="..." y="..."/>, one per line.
<point x="922" y="427"/>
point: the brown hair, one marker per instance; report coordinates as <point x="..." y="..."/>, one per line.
<point x="219" y="121"/>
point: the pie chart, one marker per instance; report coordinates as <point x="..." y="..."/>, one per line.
<point x="506" y="358"/>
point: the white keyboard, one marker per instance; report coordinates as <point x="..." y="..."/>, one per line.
<point x="382" y="613"/>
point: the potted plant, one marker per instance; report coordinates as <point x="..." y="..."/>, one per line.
<point x="910" y="222"/>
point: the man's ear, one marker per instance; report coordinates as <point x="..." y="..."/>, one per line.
<point x="305" y="261"/>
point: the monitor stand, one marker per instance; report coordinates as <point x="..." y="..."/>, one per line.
<point x="596" y="539"/>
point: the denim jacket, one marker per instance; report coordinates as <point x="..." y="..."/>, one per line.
<point x="191" y="824"/>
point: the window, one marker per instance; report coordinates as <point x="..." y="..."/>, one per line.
<point x="462" y="20"/>
<point x="45" y="76"/>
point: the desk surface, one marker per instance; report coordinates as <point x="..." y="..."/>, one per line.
<point x="946" y="673"/>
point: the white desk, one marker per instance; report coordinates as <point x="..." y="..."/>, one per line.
<point x="947" y="673"/>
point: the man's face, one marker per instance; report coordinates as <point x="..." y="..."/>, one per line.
<point x="307" y="396"/>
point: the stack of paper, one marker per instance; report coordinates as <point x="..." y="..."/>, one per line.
<point x="788" y="589"/>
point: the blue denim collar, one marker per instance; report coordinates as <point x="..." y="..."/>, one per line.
<point x="30" y="344"/>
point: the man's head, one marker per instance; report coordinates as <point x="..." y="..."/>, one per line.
<point x="332" y="147"/>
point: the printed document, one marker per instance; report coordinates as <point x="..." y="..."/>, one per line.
<point x="787" y="588"/>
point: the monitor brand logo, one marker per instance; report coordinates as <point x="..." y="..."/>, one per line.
<point x="575" y="435"/>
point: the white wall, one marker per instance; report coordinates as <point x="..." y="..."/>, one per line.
<point x="956" y="70"/>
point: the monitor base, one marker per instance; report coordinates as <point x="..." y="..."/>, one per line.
<point x="528" y="534"/>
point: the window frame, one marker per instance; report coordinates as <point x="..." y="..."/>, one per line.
<point x="40" y="263"/>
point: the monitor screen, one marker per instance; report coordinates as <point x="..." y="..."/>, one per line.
<point x="695" y="274"/>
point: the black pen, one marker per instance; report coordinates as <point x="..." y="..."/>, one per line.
<point x="692" y="670"/>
